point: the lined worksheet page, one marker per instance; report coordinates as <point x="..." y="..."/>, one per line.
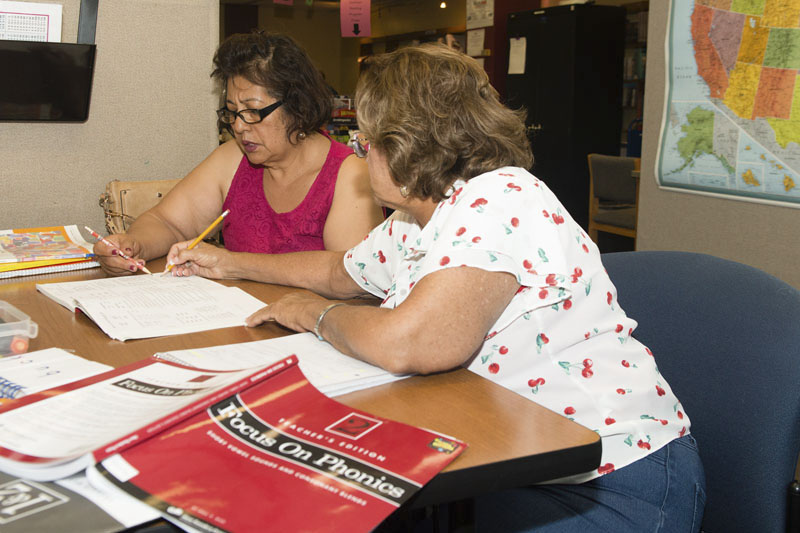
<point x="144" y="306"/>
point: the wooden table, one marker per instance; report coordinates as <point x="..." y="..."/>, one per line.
<point x="512" y="441"/>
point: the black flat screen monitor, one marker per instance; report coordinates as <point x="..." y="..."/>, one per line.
<point x="45" y="81"/>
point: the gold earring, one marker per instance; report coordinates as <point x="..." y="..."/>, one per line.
<point x="404" y="191"/>
<point x="301" y="136"/>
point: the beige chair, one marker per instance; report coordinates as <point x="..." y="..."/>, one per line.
<point x="613" y="195"/>
<point x="123" y="201"/>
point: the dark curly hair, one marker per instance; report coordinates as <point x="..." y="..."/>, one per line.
<point x="277" y="63"/>
<point x="433" y="114"/>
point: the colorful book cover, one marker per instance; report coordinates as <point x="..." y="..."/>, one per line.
<point x="35" y="247"/>
<point x="280" y="453"/>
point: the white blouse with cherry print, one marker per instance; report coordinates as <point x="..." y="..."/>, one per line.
<point x="563" y="341"/>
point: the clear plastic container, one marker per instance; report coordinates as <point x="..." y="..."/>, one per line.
<point x="16" y="330"/>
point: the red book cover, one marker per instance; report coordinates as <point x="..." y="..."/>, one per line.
<point x="281" y="453"/>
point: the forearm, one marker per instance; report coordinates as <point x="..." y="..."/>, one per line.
<point x="320" y="271"/>
<point x="378" y="336"/>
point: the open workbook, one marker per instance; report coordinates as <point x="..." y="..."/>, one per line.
<point x="279" y="456"/>
<point x="143" y="306"/>
<point x="55" y="433"/>
<point x="328" y="369"/>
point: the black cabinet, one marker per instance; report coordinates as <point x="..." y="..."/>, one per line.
<point x="572" y="91"/>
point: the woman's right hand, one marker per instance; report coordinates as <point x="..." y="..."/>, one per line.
<point x="109" y="259"/>
<point x="203" y="260"/>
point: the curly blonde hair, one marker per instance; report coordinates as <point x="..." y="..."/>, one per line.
<point x="433" y="114"/>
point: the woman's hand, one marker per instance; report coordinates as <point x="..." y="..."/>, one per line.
<point x="110" y="260"/>
<point x="203" y="260"/>
<point x="297" y="311"/>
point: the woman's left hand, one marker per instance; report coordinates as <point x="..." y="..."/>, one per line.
<point x="297" y="311"/>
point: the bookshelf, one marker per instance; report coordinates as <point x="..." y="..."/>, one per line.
<point x="634" y="66"/>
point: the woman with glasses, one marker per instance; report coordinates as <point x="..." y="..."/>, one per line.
<point x="288" y="186"/>
<point x="481" y="266"/>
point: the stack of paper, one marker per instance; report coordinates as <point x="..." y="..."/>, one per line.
<point x="329" y="370"/>
<point x="30" y="251"/>
<point x="139" y="307"/>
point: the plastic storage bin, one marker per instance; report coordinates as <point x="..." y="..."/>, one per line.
<point x="16" y="330"/>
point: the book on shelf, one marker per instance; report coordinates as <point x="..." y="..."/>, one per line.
<point x="43" y="369"/>
<point x="58" y="432"/>
<point x="280" y="453"/>
<point x="144" y="306"/>
<point x="31" y="251"/>
<point x="328" y="369"/>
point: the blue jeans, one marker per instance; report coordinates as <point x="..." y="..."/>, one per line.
<point x="664" y="491"/>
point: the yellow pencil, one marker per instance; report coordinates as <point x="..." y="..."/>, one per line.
<point x="203" y="235"/>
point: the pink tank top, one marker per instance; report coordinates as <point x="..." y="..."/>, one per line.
<point x="253" y="226"/>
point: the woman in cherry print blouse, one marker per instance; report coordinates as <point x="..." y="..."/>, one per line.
<point x="480" y="266"/>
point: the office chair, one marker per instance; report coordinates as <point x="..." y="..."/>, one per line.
<point x="613" y="195"/>
<point x="726" y="337"/>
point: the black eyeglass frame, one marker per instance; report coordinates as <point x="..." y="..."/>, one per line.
<point x="263" y="113"/>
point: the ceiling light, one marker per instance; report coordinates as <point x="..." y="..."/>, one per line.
<point x="443" y="5"/>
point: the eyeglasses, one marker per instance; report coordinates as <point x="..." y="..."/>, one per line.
<point x="249" y="116"/>
<point x="359" y="144"/>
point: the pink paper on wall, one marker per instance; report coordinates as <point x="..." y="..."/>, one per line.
<point x="355" y="18"/>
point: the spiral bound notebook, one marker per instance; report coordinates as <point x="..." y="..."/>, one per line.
<point x="67" y="267"/>
<point x="44" y="369"/>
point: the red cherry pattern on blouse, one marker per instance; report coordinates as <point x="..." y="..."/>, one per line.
<point x="511" y="185"/>
<point x="503" y="350"/>
<point x="476" y="239"/>
<point x="660" y="391"/>
<point x="494" y="368"/>
<point x="585" y="248"/>
<point x="543" y="294"/>
<point x="577" y="273"/>
<point x="477" y="204"/>
<point x="535" y="383"/>
<point x="380" y="256"/>
<point x="558" y="219"/>
<point x="551" y="280"/>
<point x="515" y="222"/>
<point x="461" y="231"/>
<point x="605" y="469"/>
<point x="619" y="328"/>
<point x="644" y="445"/>
<point x="569" y="410"/>
<point x="444" y="261"/>
<point x="567" y="304"/>
<point x="609" y="421"/>
<point x="455" y="195"/>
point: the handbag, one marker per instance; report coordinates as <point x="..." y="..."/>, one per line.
<point x="123" y="201"/>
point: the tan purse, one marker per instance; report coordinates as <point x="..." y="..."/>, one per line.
<point x="123" y="201"/>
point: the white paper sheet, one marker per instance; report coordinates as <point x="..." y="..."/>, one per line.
<point x="516" y="55"/>
<point x="30" y="21"/>
<point x="43" y="369"/>
<point x="475" y="40"/>
<point x="329" y="370"/>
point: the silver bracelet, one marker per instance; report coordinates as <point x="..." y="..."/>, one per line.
<point x="321" y="316"/>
